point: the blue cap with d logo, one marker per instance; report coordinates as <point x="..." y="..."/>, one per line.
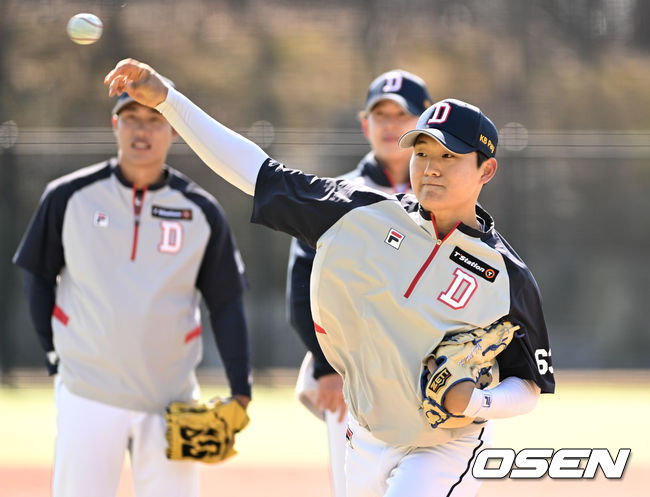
<point x="460" y="127"/>
<point x="407" y="89"/>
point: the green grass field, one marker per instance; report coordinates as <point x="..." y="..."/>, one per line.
<point x="586" y="412"/>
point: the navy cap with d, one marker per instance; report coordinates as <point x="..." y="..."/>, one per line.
<point x="459" y="126"/>
<point x="407" y="89"/>
<point x="125" y="99"/>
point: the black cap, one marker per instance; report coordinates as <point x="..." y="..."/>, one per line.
<point x="408" y="90"/>
<point x="125" y="99"/>
<point x="460" y="127"/>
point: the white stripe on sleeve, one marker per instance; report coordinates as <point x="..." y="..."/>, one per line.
<point x="233" y="157"/>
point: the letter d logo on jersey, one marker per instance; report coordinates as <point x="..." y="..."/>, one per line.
<point x="394" y="238"/>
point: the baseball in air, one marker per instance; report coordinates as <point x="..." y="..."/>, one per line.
<point x="84" y="28"/>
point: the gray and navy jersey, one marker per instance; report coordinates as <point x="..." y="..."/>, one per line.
<point x="301" y="259"/>
<point x="128" y="268"/>
<point x="385" y="289"/>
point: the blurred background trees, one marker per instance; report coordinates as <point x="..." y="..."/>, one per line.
<point x="566" y="82"/>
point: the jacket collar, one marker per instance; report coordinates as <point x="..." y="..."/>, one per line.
<point x="424" y="219"/>
<point x="115" y="168"/>
<point x="371" y="168"/>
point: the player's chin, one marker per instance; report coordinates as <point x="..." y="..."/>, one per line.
<point x="430" y="197"/>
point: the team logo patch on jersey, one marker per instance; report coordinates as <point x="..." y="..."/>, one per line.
<point x="473" y="264"/>
<point x="394" y="238"/>
<point x="171" y="213"/>
<point x="100" y="219"/>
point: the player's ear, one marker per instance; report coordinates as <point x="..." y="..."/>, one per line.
<point x="364" y="124"/>
<point x="488" y="170"/>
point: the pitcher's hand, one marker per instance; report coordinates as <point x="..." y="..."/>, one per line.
<point x="137" y="79"/>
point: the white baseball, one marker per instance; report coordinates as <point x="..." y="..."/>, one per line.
<point x="85" y="28"/>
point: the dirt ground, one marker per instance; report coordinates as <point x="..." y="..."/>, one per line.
<point x="253" y="481"/>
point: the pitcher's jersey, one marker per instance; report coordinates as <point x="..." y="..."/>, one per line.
<point x="385" y="290"/>
<point x="301" y="259"/>
<point x="126" y="324"/>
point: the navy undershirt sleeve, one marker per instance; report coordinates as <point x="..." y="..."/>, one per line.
<point x="40" y="298"/>
<point x="221" y="281"/>
<point x="303" y="205"/>
<point x="299" y="307"/>
<point x="231" y="335"/>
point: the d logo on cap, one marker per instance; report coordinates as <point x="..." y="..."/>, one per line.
<point x="440" y="113"/>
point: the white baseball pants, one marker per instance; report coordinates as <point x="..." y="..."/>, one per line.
<point x="376" y="469"/>
<point x="92" y="439"/>
<point x="337" y="446"/>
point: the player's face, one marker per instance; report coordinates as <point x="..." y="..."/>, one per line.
<point x="143" y="136"/>
<point x="383" y="127"/>
<point x="445" y="182"/>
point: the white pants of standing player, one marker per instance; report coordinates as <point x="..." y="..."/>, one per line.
<point x="92" y="439"/>
<point x="307" y="393"/>
<point x="337" y="446"/>
<point x="378" y="469"/>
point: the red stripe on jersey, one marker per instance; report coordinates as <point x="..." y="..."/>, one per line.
<point x="319" y="329"/>
<point x="193" y="334"/>
<point x="433" y="253"/>
<point x="59" y="314"/>
<point x="138" y="201"/>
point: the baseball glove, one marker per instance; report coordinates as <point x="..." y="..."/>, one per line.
<point x="460" y="357"/>
<point x="204" y="432"/>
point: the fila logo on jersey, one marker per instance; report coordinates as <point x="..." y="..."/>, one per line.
<point x="394" y="238"/>
<point x="170" y="213"/>
<point x="100" y="219"/>
<point x="473" y="264"/>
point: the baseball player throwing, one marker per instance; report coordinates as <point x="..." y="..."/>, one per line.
<point x="394" y="101"/>
<point x="400" y="285"/>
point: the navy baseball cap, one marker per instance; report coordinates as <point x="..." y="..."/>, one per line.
<point x="408" y="90"/>
<point x="125" y="99"/>
<point x="460" y="127"/>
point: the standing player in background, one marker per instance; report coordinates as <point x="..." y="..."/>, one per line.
<point x="115" y="257"/>
<point x="394" y="279"/>
<point x="394" y="101"/>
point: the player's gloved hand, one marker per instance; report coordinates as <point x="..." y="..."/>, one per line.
<point x="204" y="432"/>
<point x="465" y="356"/>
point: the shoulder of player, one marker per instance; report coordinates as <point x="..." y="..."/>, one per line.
<point x="519" y="274"/>
<point x="194" y="193"/>
<point x="60" y="190"/>
<point x="354" y="175"/>
<point x="81" y="177"/>
<point x="369" y="173"/>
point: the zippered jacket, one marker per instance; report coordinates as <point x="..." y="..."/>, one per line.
<point x="127" y="269"/>
<point x="386" y="288"/>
